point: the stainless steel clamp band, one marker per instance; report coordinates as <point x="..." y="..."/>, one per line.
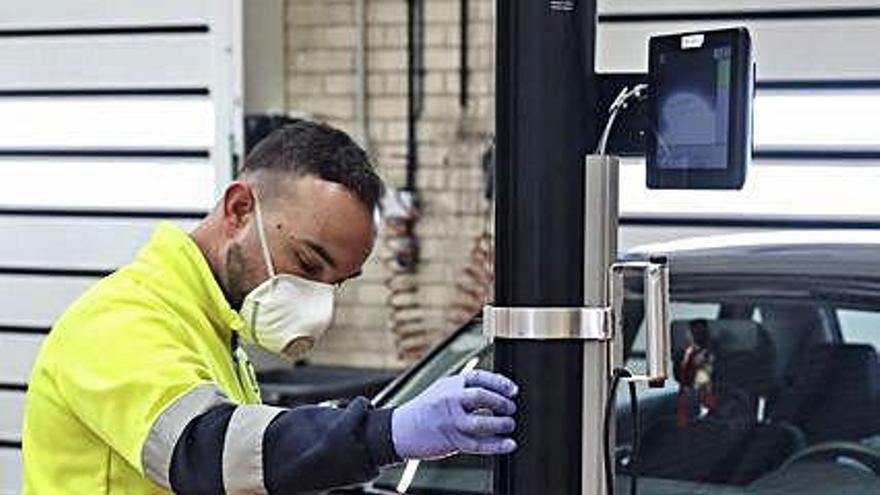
<point x="548" y="323"/>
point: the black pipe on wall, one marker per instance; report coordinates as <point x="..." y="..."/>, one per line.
<point x="464" y="71"/>
<point x="546" y="124"/>
<point x="415" y="97"/>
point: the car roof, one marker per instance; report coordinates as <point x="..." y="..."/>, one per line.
<point x="824" y="253"/>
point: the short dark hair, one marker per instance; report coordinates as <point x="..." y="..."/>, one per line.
<point x="310" y="148"/>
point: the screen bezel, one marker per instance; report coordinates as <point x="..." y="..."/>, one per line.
<point x="739" y="132"/>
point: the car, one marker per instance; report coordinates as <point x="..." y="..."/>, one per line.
<point x="788" y="398"/>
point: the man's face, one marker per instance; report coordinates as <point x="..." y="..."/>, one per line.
<point x="315" y="229"/>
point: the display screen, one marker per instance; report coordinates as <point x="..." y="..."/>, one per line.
<point x="693" y="89"/>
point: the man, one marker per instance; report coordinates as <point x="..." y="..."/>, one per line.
<point x="141" y="386"/>
<point x="696" y="372"/>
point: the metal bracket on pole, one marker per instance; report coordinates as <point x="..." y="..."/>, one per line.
<point x="597" y="324"/>
<point x="548" y="323"/>
<point x="655" y="276"/>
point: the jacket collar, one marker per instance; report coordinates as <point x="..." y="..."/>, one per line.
<point x="179" y="258"/>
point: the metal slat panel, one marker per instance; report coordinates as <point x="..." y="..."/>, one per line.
<point x="36" y="301"/>
<point x="636" y="235"/>
<point x="56" y="242"/>
<point x="644" y="7"/>
<point x="54" y="14"/>
<point x="839" y="120"/>
<point x="11" y="414"/>
<point x="19" y="353"/>
<point x="105" y="61"/>
<point x="10" y="471"/>
<point x="152" y="184"/>
<point x="108" y="123"/>
<point x="775" y="190"/>
<point x="784" y="50"/>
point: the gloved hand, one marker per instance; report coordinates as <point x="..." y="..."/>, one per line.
<point x="451" y="416"/>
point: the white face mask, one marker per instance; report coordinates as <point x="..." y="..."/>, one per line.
<point x="286" y="314"/>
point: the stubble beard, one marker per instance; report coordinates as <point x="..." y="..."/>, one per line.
<point x="235" y="275"/>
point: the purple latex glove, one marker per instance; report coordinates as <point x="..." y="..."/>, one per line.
<point x="451" y="417"/>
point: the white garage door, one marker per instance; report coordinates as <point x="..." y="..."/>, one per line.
<point x="114" y="115"/>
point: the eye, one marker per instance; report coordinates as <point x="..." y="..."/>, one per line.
<point x="310" y="269"/>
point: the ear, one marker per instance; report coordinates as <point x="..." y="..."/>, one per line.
<point x="237" y="207"/>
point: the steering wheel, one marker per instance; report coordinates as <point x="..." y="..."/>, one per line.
<point x="831" y="451"/>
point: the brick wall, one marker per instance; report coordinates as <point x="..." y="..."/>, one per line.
<point x="320" y="75"/>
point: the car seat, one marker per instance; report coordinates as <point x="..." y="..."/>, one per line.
<point x="831" y="393"/>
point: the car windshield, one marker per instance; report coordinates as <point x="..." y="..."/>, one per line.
<point x="775" y="391"/>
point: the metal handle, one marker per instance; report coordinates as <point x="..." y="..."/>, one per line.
<point x="656" y="301"/>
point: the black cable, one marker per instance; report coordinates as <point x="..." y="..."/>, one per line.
<point x="636" y="439"/>
<point x="617" y="375"/>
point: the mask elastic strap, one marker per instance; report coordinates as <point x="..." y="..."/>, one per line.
<point x="261" y="231"/>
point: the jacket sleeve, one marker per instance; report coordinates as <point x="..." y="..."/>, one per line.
<point x="260" y="449"/>
<point x="314" y="448"/>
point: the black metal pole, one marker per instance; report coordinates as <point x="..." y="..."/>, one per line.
<point x="545" y="124"/>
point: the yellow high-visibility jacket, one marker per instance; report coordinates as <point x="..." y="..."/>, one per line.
<point x="99" y="415"/>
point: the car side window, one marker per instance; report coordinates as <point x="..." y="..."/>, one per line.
<point x="859" y="327"/>
<point x="459" y="350"/>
